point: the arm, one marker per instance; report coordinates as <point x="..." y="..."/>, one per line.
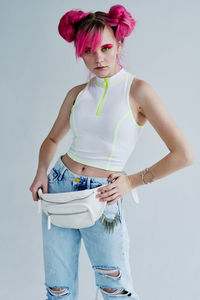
<point x="49" y="146"/>
<point x="60" y="128"/>
<point x="181" y="153"/>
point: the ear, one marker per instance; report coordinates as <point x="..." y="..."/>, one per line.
<point x="119" y="45"/>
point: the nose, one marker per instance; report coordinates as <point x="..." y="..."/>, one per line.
<point x="98" y="57"/>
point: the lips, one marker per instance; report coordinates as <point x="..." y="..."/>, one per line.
<point x="100" y="68"/>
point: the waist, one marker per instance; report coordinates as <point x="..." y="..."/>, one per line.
<point x="84" y="170"/>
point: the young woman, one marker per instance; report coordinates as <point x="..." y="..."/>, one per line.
<point x="106" y="115"/>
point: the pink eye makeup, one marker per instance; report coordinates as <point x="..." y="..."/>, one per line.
<point x="108" y="46"/>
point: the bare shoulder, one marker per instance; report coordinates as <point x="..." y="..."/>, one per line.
<point x="155" y="111"/>
<point x="140" y="90"/>
<point x="136" y="100"/>
<point x="74" y="91"/>
<point x="61" y="125"/>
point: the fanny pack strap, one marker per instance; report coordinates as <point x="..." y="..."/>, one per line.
<point x="134" y="193"/>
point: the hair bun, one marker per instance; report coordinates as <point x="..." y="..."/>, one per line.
<point x="66" y="28"/>
<point x="120" y="17"/>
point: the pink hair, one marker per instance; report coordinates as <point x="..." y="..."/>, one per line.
<point x="86" y="28"/>
<point x="83" y="39"/>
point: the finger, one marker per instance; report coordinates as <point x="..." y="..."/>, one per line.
<point x="114" y="176"/>
<point x="110" y="202"/>
<point x="107" y="191"/>
<point x="105" y="196"/>
<point x="113" y="201"/>
<point x="35" y="195"/>
<point x="106" y="188"/>
<point x="45" y="189"/>
<point x="110" y="197"/>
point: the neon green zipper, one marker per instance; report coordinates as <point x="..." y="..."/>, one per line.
<point x="102" y="99"/>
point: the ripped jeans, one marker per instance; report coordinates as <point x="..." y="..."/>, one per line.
<point x="108" y="250"/>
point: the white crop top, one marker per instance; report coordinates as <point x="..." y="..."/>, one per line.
<point x="104" y="129"/>
<point x="103" y="126"/>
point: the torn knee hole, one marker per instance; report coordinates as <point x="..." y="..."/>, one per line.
<point x="59" y="292"/>
<point x="109" y="272"/>
<point x="116" y="291"/>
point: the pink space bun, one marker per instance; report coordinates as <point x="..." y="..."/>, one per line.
<point x="66" y="28"/>
<point x="120" y="17"/>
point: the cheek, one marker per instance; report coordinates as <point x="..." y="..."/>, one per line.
<point x="88" y="60"/>
<point x="112" y="55"/>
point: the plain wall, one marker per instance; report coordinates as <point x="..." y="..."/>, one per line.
<point x="37" y="69"/>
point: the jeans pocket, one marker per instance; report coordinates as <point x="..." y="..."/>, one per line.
<point x="53" y="175"/>
<point x="94" y="184"/>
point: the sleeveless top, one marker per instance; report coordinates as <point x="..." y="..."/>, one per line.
<point x="104" y="129"/>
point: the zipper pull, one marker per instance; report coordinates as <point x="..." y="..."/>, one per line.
<point x="39" y="206"/>
<point x="49" y="222"/>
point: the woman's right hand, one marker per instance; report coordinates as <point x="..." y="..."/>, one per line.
<point x="40" y="181"/>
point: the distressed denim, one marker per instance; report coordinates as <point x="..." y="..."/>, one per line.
<point x="108" y="251"/>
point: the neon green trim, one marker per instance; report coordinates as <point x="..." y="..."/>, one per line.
<point x="76" y="100"/>
<point x="128" y="102"/>
<point x="91" y="163"/>
<point x="115" y="138"/>
<point x="73" y="155"/>
<point x="98" y="82"/>
<point x="110" y="84"/>
<point x="107" y="166"/>
<point x="106" y="87"/>
<point x="99" y="106"/>
<point x="76" y="133"/>
<point x="73" y="120"/>
<point x="116" y="82"/>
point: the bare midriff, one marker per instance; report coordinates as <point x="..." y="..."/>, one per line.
<point x="82" y="169"/>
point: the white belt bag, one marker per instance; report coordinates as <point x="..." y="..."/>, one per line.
<point x="77" y="209"/>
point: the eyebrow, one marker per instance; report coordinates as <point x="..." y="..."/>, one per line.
<point x="105" y="45"/>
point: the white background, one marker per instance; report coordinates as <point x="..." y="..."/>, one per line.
<point x="37" y="69"/>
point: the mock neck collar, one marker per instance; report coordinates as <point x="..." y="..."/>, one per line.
<point x="114" y="79"/>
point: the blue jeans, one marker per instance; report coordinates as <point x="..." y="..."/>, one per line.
<point x="108" y="251"/>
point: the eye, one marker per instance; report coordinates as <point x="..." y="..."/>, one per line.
<point x="87" y="52"/>
<point x="105" y="48"/>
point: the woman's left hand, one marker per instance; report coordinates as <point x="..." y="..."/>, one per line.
<point x="116" y="190"/>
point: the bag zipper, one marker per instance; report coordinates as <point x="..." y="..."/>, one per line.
<point x="66" y="201"/>
<point x="53" y="202"/>
<point x="49" y="216"/>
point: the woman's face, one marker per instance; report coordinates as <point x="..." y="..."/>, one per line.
<point x="104" y="56"/>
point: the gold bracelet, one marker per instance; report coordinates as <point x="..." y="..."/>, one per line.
<point x="146" y="170"/>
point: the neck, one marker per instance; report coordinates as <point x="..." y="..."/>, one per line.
<point x="109" y="79"/>
<point x="116" y="70"/>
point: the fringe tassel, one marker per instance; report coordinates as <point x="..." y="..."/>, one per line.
<point x="108" y="224"/>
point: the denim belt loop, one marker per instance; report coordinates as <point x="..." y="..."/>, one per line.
<point x="62" y="170"/>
